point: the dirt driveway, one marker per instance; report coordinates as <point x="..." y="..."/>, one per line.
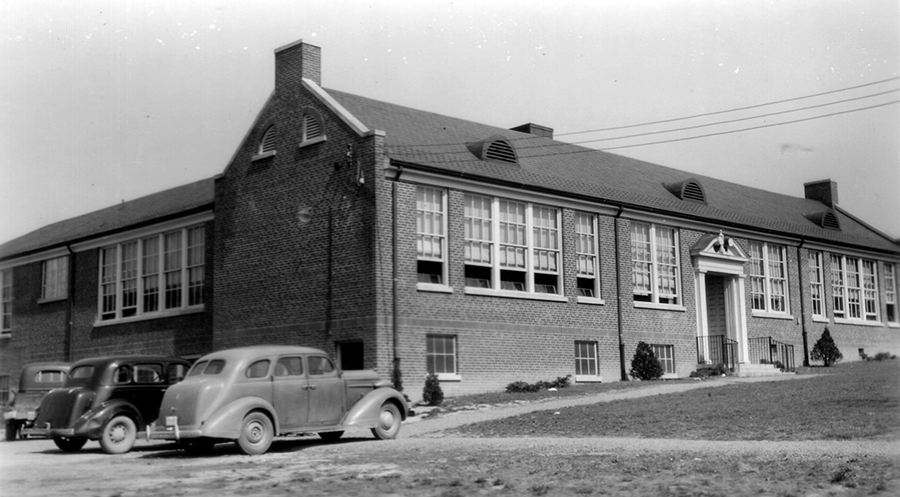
<point x="428" y="462"/>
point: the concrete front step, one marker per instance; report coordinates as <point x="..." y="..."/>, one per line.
<point x="745" y="370"/>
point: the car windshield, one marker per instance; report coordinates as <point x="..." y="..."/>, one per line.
<point x="79" y="375"/>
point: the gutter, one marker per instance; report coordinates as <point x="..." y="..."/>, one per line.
<point x="623" y="376"/>
<point x="70" y="308"/>
<point x="803" y="305"/>
<point x="395" y="324"/>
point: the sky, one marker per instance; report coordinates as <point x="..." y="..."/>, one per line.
<point x="107" y="101"/>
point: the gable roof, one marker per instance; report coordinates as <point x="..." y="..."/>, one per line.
<point x="134" y="213"/>
<point x="439" y="143"/>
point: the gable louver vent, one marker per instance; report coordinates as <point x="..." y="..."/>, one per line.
<point x="311" y="126"/>
<point x="825" y="219"/>
<point x="495" y="148"/>
<point x="267" y="144"/>
<point x="689" y="189"/>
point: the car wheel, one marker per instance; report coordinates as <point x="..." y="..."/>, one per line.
<point x="69" y="444"/>
<point x="118" y="435"/>
<point x="331" y="436"/>
<point x="198" y="446"/>
<point x="388" y="422"/>
<point x="256" y="434"/>
<point x="12" y="429"/>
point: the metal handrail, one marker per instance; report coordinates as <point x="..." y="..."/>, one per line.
<point x="716" y="349"/>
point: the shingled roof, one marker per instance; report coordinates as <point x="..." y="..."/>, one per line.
<point x="439" y="142"/>
<point x="156" y="207"/>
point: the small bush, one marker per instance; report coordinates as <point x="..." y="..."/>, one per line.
<point x="645" y="366"/>
<point x="432" y="393"/>
<point x="397" y="377"/>
<point x="882" y="356"/>
<point x="521" y="386"/>
<point x="715" y="370"/>
<point x="825" y="350"/>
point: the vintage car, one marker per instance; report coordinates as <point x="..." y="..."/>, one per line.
<point x="249" y="395"/>
<point x="36" y="380"/>
<point x="109" y="399"/>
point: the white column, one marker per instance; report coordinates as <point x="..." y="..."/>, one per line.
<point x="741" y="309"/>
<point x="702" y="317"/>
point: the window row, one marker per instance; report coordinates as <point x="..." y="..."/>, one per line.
<point x="854" y="288"/>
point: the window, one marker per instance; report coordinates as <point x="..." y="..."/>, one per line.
<point x="768" y="277"/>
<point x="289" y="366"/>
<point x="4" y="389"/>
<point x="123" y="375"/>
<point x="6" y="301"/>
<point x="654" y="254"/>
<point x="431" y="239"/>
<point x="50" y="376"/>
<point x="177" y="372"/>
<point x="148" y="373"/>
<point x="665" y="354"/>
<point x="586" y="255"/>
<point x="55" y="279"/>
<point x="586" y="359"/>
<point x="525" y="257"/>
<point x="258" y="369"/>
<point x="890" y="293"/>
<point x="854" y="284"/>
<point x="816" y="284"/>
<point x="150" y="275"/>
<point x="440" y="354"/>
<point x="320" y="365"/>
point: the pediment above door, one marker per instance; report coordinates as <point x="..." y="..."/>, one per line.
<point x="718" y="253"/>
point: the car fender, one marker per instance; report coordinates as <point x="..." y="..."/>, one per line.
<point x="90" y="424"/>
<point x="364" y="414"/>
<point x="226" y="422"/>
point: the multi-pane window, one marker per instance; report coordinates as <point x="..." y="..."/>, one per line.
<point x="55" y="279"/>
<point x="586" y="254"/>
<point x="854" y="284"/>
<point x="440" y="354"/>
<point x="6" y="301"/>
<point x="526" y="255"/>
<point x="665" y="354"/>
<point x="816" y="284"/>
<point x="768" y="277"/>
<point x="150" y="275"/>
<point x="4" y="389"/>
<point x="654" y="255"/>
<point x="431" y="239"/>
<point x="586" y="359"/>
<point x="890" y="293"/>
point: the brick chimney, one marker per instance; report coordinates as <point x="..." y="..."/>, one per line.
<point x="296" y="61"/>
<point x="535" y="129"/>
<point x="825" y="191"/>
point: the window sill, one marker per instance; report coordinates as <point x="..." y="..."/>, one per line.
<point x="448" y="377"/>
<point x="6" y="335"/>
<point x="156" y="315"/>
<point x="820" y="319"/>
<point x="588" y="379"/>
<point x="771" y="315"/>
<point x="670" y="376"/>
<point x="893" y="325"/>
<point x="590" y="300"/>
<point x="515" y="295"/>
<point x="266" y="155"/>
<point x="660" y="307"/>
<point x="858" y="322"/>
<point x="54" y="299"/>
<point x="433" y="287"/>
<point x="306" y="143"/>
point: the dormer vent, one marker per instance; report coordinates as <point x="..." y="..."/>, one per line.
<point x="689" y="189"/>
<point x="495" y="148"/>
<point x="825" y="219"/>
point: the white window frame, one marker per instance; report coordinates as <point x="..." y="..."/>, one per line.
<point x="521" y="246"/>
<point x="433" y="234"/>
<point x="817" y="285"/>
<point x="666" y="358"/>
<point x="854" y="292"/>
<point x="761" y="259"/>
<point x="649" y="246"/>
<point x="126" y="286"/>
<point x="587" y="257"/>
<point x="6" y="302"/>
<point x="55" y="278"/>
<point x="890" y="294"/>
<point x="430" y="342"/>
<point x="591" y="361"/>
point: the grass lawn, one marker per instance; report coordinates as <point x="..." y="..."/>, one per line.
<point x="858" y="400"/>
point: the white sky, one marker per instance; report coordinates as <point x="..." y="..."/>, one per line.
<point x="104" y="101"/>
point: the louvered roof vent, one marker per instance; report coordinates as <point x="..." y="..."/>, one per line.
<point x="825" y="219"/>
<point x="495" y="148"/>
<point x="689" y="189"/>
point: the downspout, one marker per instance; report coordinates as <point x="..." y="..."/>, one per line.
<point x="624" y="377"/>
<point x="394" y="278"/>
<point x="70" y="309"/>
<point x="803" y="304"/>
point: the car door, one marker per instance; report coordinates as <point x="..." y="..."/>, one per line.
<point x="290" y="392"/>
<point x="143" y="385"/>
<point x="326" y="392"/>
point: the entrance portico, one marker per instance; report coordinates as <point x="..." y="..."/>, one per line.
<point x="719" y="293"/>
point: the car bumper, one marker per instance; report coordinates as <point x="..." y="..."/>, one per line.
<point x="19" y="415"/>
<point x="49" y="432"/>
<point x="171" y="433"/>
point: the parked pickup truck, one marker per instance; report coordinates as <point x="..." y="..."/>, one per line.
<point x="36" y="380"/>
<point x="248" y="395"/>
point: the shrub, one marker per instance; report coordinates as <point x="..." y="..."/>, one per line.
<point x="644" y="365"/>
<point x="521" y="386"/>
<point x="882" y="356"/>
<point x="825" y="350"/>
<point x="397" y="377"/>
<point x="715" y="370"/>
<point x="432" y="393"/>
